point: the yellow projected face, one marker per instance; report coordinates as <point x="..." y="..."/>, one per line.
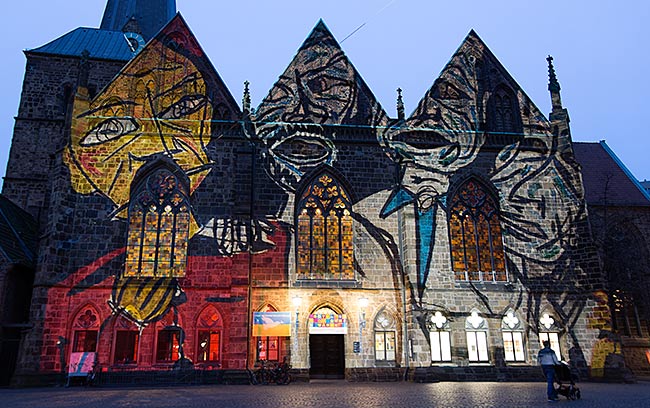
<point x="157" y="106"/>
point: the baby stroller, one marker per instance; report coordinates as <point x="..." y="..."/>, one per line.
<point x="566" y="382"/>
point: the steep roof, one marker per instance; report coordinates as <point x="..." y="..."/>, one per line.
<point x="107" y="45"/>
<point x="321" y="86"/>
<point x="18" y="233"/>
<point x="606" y="179"/>
<point x="455" y="101"/>
<point x="150" y="15"/>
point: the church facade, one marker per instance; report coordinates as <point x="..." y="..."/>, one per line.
<point x="178" y="230"/>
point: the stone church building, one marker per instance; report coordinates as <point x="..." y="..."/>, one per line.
<point x="169" y="228"/>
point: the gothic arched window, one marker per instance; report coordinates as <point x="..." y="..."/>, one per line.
<point x="85" y="330"/>
<point x="504" y="111"/>
<point x="385" y="336"/>
<point x="209" y="334"/>
<point x="324" y="235"/>
<point x="475" y="234"/>
<point x="159" y="223"/>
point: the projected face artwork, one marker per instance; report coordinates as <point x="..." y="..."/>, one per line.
<point x="319" y="87"/>
<point x="157" y="106"/>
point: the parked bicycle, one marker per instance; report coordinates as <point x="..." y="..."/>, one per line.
<point x="269" y="372"/>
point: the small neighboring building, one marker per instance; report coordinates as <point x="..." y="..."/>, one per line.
<point x="619" y="211"/>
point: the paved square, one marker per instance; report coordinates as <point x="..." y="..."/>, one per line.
<point x="325" y="394"/>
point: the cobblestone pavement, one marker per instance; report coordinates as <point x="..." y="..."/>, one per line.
<point x="325" y="394"/>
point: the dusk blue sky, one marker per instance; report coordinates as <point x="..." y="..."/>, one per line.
<point x="600" y="50"/>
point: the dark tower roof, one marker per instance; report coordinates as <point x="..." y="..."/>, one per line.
<point x="150" y="15"/>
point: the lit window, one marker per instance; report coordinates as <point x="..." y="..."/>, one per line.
<point x="209" y="326"/>
<point x="126" y="347"/>
<point x="440" y="337"/>
<point x="159" y="220"/>
<point x="385" y="337"/>
<point x="268" y="347"/>
<point x="476" y="330"/>
<point x="549" y="331"/>
<point x="127" y="336"/>
<point x="513" y="337"/>
<point x="324" y="235"/>
<point x="475" y="235"/>
<point x="168" y="345"/>
<point x="86" y="330"/>
<point x="85" y="340"/>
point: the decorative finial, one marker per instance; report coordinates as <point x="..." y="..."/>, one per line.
<point x="553" y="84"/>
<point x="246" y="100"/>
<point x="400" y="104"/>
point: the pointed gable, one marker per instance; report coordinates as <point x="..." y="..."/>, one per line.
<point x="167" y="101"/>
<point x="321" y="86"/>
<point x="475" y="92"/>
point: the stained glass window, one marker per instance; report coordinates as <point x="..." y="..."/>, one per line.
<point x="159" y="220"/>
<point x="324" y="233"/>
<point x="475" y="235"/>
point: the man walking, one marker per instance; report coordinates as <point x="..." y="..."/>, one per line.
<point x="547" y="359"/>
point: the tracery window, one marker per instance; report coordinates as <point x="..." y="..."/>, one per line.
<point x="513" y="337"/>
<point x="475" y="235"/>
<point x="324" y="235"/>
<point x="127" y="336"/>
<point x="504" y="111"/>
<point x="159" y="220"/>
<point x="440" y="337"/>
<point x="476" y="330"/>
<point x="385" y="337"/>
<point x="86" y="329"/>
<point x="168" y="339"/>
<point x="550" y="331"/>
<point x="209" y="327"/>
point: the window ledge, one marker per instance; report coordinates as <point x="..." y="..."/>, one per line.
<point x="500" y="286"/>
<point x="327" y="283"/>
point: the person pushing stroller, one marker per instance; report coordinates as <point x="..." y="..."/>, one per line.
<point x="548" y="360"/>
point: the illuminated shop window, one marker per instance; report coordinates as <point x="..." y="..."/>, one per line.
<point x="513" y="337"/>
<point x="85" y="330"/>
<point x="268" y="347"/>
<point x="385" y="337"/>
<point x="550" y="331"/>
<point x="440" y="337"/>
<point x="475" y="235"/>
<point x="209" y="327"/>
<point x="476" y="330"/>
<point x="159" y="220"/>
<point x="126" y="337"/>
<point x="324" y="235"/>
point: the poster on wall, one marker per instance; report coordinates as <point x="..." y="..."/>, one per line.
<point x="271" y="324"/>
<point x="81" y="363"/>
<point x="328" y="323"/>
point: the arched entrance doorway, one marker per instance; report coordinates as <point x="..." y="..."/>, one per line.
<point x="327" y="329"/>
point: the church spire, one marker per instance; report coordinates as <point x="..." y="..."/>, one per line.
<point x="149" y="16"/>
